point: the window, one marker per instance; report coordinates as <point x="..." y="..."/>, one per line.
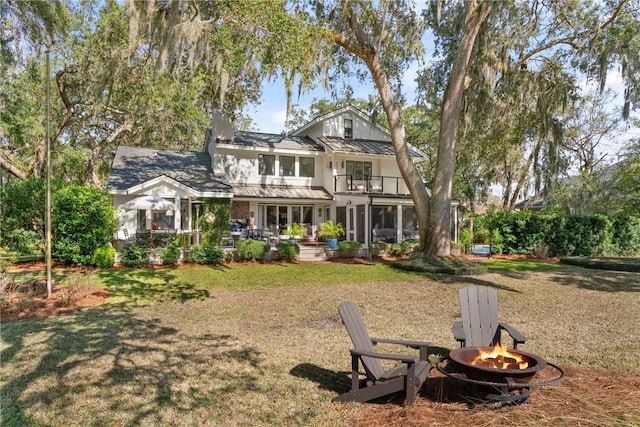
<point x="307" y="167"/>
<point x="358" y="170"/>
<point x="141" y="218"/>
<point x="348" y="129"/>
<point x="287" y="166"/>
<point x="266" y="164"/>
<point x="162" y="220"/>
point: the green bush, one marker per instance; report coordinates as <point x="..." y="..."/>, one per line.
<point x="288" y="251"/>
<point x="24" y="241"/>
<point x="134" y="256"/>
<point x="497" y="242"/>
<point x="170" y="254"/>
<point x="408" y="246"/>
<point x="251" y="250"/>
<point x="481" y="236"/>
<point x="104" y="257"/>
<point x="349" y="248"/>
<point x="396" y="249"/>
<point x="83" y="220"/>
<point x="625" y="236"/>
<point x="205" y="254"/>
<point x="465" y="240"/>
<point x="566" y="235"/>
<point x="378" y="248"/>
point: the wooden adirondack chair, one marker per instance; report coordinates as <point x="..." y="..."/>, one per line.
<point x="409" y="377"/>
<point x="480" y="325"/>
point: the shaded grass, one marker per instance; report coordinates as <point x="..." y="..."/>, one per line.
<point x="214" y="347"/>
<point x="496" y="264"/>
<point x="440" y="265"/>
<point x="605" y="263"/>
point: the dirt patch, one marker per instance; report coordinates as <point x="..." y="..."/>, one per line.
<point x="25" y="304"/>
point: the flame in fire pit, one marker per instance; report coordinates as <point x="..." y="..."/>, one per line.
<point x="499" y="358"/>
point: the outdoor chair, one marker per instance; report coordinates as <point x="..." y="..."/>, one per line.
<point x="380" y="382"/>
<point x="479" y="325"/>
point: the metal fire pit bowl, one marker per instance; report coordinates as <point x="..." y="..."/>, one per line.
<point x="502" y="386"/>
<point x="465" y="355"/>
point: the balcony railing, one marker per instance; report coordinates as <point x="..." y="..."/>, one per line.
<point x="374" y="184"/>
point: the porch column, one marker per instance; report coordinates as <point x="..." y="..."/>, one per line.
<point x="399" y="233"/>
<point x="177" y="214"/>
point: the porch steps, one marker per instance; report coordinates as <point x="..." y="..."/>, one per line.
<point x="312" y="253"/>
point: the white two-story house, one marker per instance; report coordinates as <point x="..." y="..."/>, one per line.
<point x="340" y="167"/>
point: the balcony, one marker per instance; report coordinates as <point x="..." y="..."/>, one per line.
<point x="393" y="185"/>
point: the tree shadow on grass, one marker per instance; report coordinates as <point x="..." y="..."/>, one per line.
<point x="598" y="280"/>
<point x="113" y="368"/>
<point x="141" y="286"/>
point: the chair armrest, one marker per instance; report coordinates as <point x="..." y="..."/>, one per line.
<point x="413" y="344"/>
<point x="518" y="338"/>
<point x="458" y="333"/>
<point x="387" y="356"/>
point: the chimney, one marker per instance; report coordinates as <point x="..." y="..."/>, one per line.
<point x="221" y="130"/>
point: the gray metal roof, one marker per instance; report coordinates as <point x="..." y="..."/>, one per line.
<point x="364" y="146"/>
<point x="270" y="140"/>
<point x="281" y="192"/>
<point x="135" y="165"/>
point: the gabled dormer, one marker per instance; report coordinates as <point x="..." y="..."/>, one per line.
<point x="348" y="123"/>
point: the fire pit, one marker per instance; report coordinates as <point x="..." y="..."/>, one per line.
<point x="498" y="363"/>
<point x="497" y="373"/>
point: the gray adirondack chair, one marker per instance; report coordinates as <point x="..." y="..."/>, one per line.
<point x="480" y="325"/>
<point x="380" y="382"/>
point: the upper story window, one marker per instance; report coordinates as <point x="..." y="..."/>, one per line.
<point x="266" y="164"/>
<point x="307" y="167"/>
<point x="287" y="166"/>
<point x="348" y="129"/>
<point x="358" y="170"/>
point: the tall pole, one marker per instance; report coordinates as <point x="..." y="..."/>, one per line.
<point x="48" y="207"/>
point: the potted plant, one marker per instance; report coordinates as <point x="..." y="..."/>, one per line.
<point x="331" y="231"/>
<point x="295" y="232"/>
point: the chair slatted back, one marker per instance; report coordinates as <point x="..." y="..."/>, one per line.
<point x="479" y="306"/>
<point x="360" y="338"/>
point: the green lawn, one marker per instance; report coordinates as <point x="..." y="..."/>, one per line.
<point x="261" y="344"/>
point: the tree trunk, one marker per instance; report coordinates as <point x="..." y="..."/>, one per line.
<point x="438" y="233"/>
<point x="408" y="170"/>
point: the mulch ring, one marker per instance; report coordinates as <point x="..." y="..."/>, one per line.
<point x="584" y="397"/>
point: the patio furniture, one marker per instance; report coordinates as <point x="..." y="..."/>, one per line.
<point x="479" y="325"/>
<point x="380" y="382"/>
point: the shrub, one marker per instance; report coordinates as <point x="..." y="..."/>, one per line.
<point x="251" y="250"/>
<point x="497" y="242"/>
<point x="25" y="241"/>
<point x="465" y="240"/>
<point x="481" y="236"/>
<point x="408" y="245"/>
<point x="396" y="249"/>
<point x="134" y="256"/>
<point x="205" y="254"/>
<point x="104" y="257"/>
<point x="83" y="220"/>
<point x="287" y="250"/>
<point x="378" y="248"/>
<point x="170" y="254"/>
<point x="349" y="248"/>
